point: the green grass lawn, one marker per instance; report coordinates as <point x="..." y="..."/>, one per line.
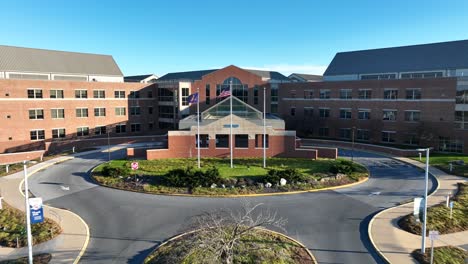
<point x="12" y="226"/>
<point x="442" y="160"/>
<point x="442" y="255"/>
<point x="438" y="217"/>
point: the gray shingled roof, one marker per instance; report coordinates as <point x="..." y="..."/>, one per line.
<point x="306" y="77"/>
<point x="52" y="61"/>
<point x="136" y="78"/>
<point x="269" y="74"/>
<point x="190" y="75"/>
<point x="435" y="56"/>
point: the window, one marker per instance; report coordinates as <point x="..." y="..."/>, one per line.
<point x="323" y="131"/>
<point x="135" y="110"/>
<point x="166" y="111"/>
<point x="293" y="111"/>
<point x="150" y="110"/>
<point x="100" y="130"/>
<point x="56" y="93"/>
<point x="57" y="113"/>
<point x="421" y="75"/>
<point x="308" y="94"/>
<point x="37" y="134"/>
<point x="274" y="98"/>
<point x="363" y="114"/>
<point x="239" y="90"/>
<point x="365" y="94"/>
<point x="241" y="141"/>
<point x="274" y="108"/>
<point x="99" y="111"/>
<point x="388" y="136"/>
<point x="324" y="94"/>
<point x="134" y="94"/>
<point x="411" y="139"/>
<point x="35" y="93"/>
<point x="36" y="114"/>
<point x="255" y="91"/>
<point x="363" y="134"/>
<point x="413" y="94"/>
<point x="389" y="115"/>
<point x="259" y="141"/>
<point x="461" y="119"/>
<point x="149" y="94"/>
<point x="185" y="94"/>
<point x="120" y="111"/>
<point x="292" y="94"/>
<point x="344" y="133"/>
<point x="461" y="97"/>
<point x="222" y="141"/>
<point x="119" y="94"/>
<point x="204" y="141"/>
<point x="324" y="112"/>
<point x="450" y="145"/>
<point x="135" y="127"/>
<point x="81" y="94"/>
<point x="82" y="131"/>
<point x="346" y="94"/>
<point x="391" y="94"/>
<point x="412" y="116"/>
<point x="207" y="94"/>
<point x="58" y="133"/>
<point x="82" y="112"/>
<point x="389" y="76"/>
<point x="99" y="94"/>
<point x="345" y="113"/>
<point x="120" y="128"/>
<point x="150" y="126"/>
<point x="308" y="112"/>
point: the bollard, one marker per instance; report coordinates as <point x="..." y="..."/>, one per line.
<point x="73" y="149"/>
<point x="42" y="157"/>
<point x="450" y="167"/>
<point x="420" y="156"/>
<point x="7" y="168"/>
<point x="447" y="201"/>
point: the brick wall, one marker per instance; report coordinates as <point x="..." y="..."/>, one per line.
<point x="10" y="158"/>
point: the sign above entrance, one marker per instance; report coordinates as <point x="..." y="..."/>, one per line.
<point x="233" y="126"/>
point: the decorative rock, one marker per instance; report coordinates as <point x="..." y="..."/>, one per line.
<point x="223" y="186"/>
<point x="243" y="186"/>
<point x="268" y="185"/>
<point x="283" y="182"/>
<point x="232" y="187"/>
<point x="213" y="185"/>
<point x="340" y="176"/>
<point x="325" y="179"/>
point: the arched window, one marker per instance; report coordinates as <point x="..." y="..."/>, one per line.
<point x="239" y="90"/>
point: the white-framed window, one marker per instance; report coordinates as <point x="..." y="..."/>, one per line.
<point x="363" y="114"/>
<point x="82" y="112"/>
<point x="134" y="94"/>
<point x="100" y="130"/>
<point x="34" y="93"/>
<point x="119" y="94"/>
<point x="324" y="94"/>
<point x="135" y="127"/>
<point x="365" y="94"/>
<point x="82" y="131"/>
<point x="37" y="134"/>
<point x="99" y="111"/>
<point x="390" y="94"/>
<point x="308" y="94"/>
<point x="57" y="113"/>
<point x="56" y="94"/>
<point x="81" y="94"/>
<point x="412" y="115"/>
<point x="121" y="128"/>
<point x="99" y="93"/>
<point x="388" y="136"/>
<point x="346" y="94"/>
<point x="58" y="133"/>
<point x="389" y="115"/>
<point x="413" y="94"/>
<point x="363" y="134"/>
<point x="36" y="114"/>
<point x="185" y="95"/>
<point x="345" y="113"/>
<point x="324" y="112"/>
<point x="324" y="131"/>
<point x="120" y="111"/>
<point x="344" y="133"/>
<point x="135" y="110"/>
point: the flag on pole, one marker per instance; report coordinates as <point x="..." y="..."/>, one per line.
<point x="225" y="92"/>
<point x="193" y="98"/>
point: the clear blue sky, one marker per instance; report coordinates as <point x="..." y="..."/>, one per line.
<point x="173" y="35"/>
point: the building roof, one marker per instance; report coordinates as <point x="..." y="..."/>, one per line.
<point x="434" y="56"/>
<point x="137" y="78"/>
<point x="20" y="59"/>
<point x="189" y="75"/>
<point x="305" y="77"/>
<point x="269" y="75"/>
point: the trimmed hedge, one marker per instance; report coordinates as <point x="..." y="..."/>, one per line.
<point x="115" y="171"/>
<point x="291" y="175"/>
<point x="343" y="166"/>
<point x="191" y="178"/>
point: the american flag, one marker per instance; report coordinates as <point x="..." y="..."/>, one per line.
<point x="225" y="92"/>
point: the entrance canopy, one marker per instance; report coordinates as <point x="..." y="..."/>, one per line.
<point x="239" y="108"/>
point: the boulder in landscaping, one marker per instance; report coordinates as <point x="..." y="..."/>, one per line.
<point x="268" y="185"/>
<point x="340" y="176"/>
<point x="283" y="182"/>
<point x="213" y="186"/>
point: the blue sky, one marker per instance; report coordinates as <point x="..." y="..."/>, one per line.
<point x="287" y="36"/>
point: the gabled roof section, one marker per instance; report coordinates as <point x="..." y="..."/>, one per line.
<point x="425" y="57"/>
<point x="239" y="108"/>
<point x="272" y="75"/>
<point x="301" y="77"/>
<point x="138" y="78"/>
<point x="185" y="76"/>
<point x="18" y="59"/>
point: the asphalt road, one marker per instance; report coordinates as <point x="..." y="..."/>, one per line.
<point x="126" y="226"/>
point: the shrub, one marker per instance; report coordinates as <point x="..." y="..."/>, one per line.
<point x="115" y="171"/>
<point x="291" y="175"/>
<point x="191" y="178"/>
<point x="343" y="166"/>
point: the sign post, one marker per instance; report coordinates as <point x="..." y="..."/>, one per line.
<point x="433" y="235"/>
<point x="135" y="167"/>
<point x="36" y="210"/>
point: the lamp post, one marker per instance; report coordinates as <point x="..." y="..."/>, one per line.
<point x="108" y="144"/>
<point x="28" y="219"/>
<point x="426" y="180"/>
<point x="352" y="145"/>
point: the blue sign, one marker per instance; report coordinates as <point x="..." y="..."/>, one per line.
<point x="233" y="126"/>
<point x="36" y="211"/>
<point x="451" y="204"/>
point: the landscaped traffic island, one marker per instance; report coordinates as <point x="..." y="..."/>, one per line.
<point x="442" y="161"/>
<point x="259" y="246"/>
<point x="216" y="177"/>
<point x="445" y="255"/>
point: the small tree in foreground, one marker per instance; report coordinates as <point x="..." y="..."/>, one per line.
<point x="219" y="233"/>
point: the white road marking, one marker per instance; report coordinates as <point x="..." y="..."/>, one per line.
<point x="65" y="188"/>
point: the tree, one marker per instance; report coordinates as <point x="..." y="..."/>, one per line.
<point x="220" y="232"/>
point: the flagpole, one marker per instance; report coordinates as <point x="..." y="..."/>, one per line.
<point x="230" y="127"/>
<point x="264" y="127"/>
<point x="198" y="125"/>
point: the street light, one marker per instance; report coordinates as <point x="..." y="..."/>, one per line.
<point x="426" y="178"/>
<point x="28" y="220"/>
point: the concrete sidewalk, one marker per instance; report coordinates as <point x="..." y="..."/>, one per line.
<point x="65" y="248"/>
<point x="394" y="244"/>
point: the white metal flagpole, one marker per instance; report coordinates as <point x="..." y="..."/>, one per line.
<point x="28" y="219"/>
<point x="230" y="127"/>
<point x="198" y="125"/>
<point x="264" y="127"/>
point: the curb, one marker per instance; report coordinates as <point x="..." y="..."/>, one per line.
<point x="264" y="229"/>
<point x="369" y="227"/>
<point x="83" y="249"/>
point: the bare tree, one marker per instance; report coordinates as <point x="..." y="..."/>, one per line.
<point x="220" y="232"/>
